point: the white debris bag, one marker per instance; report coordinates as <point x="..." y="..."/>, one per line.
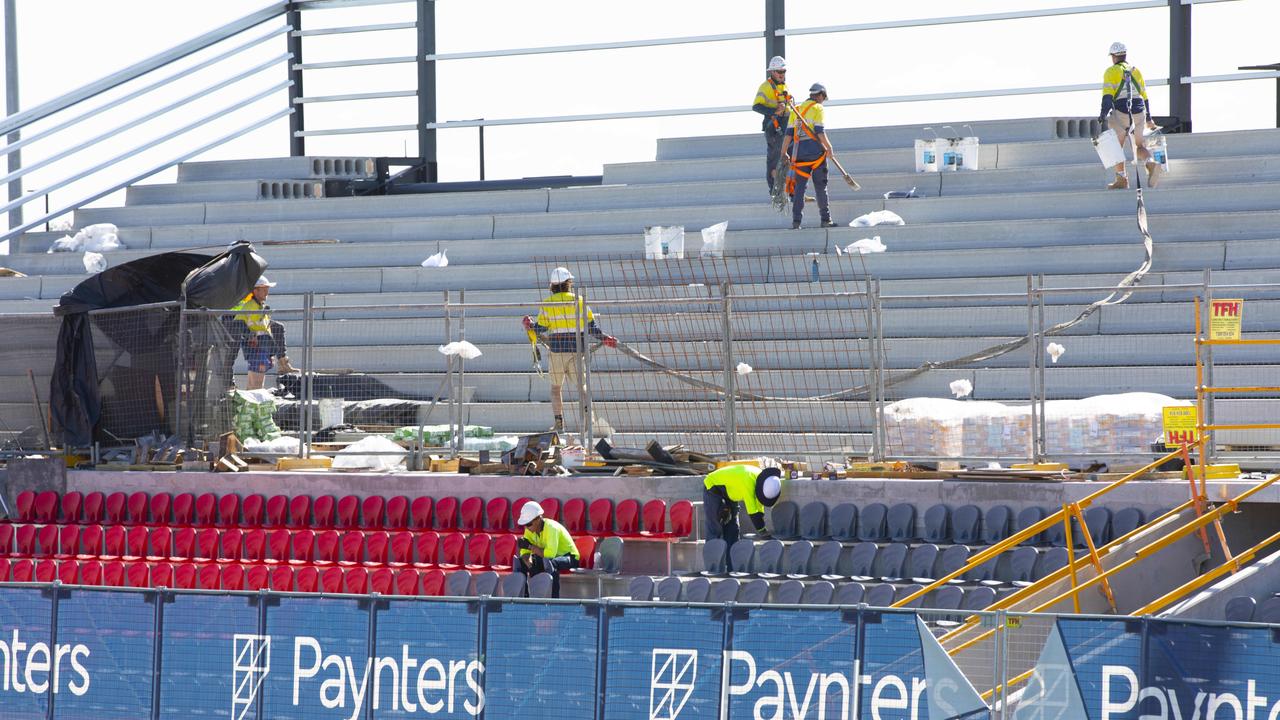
<point x="961" y="388"/>
<point x="865" y="246"/>
<point x="713" y="239"/>
<point x="272" y="449"/>
<point x="461" y="348"/>
<point x="926" y="156"/>
<point x="1108" y="147"/>
<point x="664" y="241"/>
<point x="374" y="452"/>
<point x="1055" y="351"/>
<point x="100" y="237"/>
<point x="94" y="263"/>
<point x="878" y="217"/>
<point x="66" y="243"/>
<point x="60" y="225"/>
<point x="744" y="369"/>
<point x="440" y="259"/>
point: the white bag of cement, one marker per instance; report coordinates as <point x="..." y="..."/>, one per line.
<point x="440" y="259"/>
<point x="99" y="237"/>
<point x="66" y="243"/>
<point x="94" y="263"/>
<point x="744" y="369"/>
<point x="60" y="225"/>
<point x="461" y="348"/>
<point x="878" y="217"/>
<point x="663" y="241"/>
<point x="272" y="449"/>
<point x="713" y="239"/>
<point x="374" y="452"/>
<point x="961" y="388"/>
<point x="865" y="246"/>
<point x="1055" y="351"/>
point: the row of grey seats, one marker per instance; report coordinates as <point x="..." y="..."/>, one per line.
<point x="965" y="525"/>
<point x="796" y="592"/>
<point x="1246" y="609"/>
<point x="867" y="560"/>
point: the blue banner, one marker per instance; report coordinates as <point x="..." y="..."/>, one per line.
<point x="319" y="660"/>
<point x="893" y="672"/>
<point x="213" y="659"/>
<point x="791" y="664"/>
<point x="664" y="663"/>
<point x="1106" y="659"/>
<point x="1211" y="672"/>
<point x="26" y="654"/>
<point x="427" y="664"/>
<point x="112" y="637"/>
<point x="541" y="662"/>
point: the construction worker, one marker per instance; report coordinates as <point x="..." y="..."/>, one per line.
<point x="557" y="324"/>
<point x="723" y="489"/>
<point x="809" y="155"/>
<point x="545" y="547"/>
<point x="771" y="102"/>
<point x="1124" y="105"/>
<point x="260" y="338"/>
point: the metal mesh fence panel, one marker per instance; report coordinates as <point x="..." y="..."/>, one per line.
<point x="29" y="613"/>
<point x="664" y="663"/>
<point x="893" y="661"/>
<point x="426" y="661"/>
<point x="789" y="659"/>
<point x="563" y="688"/>
<point x="332" y="667"/>
<point x="1244" y="365"/>
<point x="214" y="659"/>
<point x="136" y="353"/>
<point x="113" y="636"/>
<point x="30" y="344"/>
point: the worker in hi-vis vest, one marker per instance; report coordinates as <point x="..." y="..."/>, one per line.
<point x="771" y="102"/>
<point x="545" y="547"/>
<point x="260" y="338"/>
<point x="807" y="149"/>
<point x="1124" y="105"/>
<point x="725" y="488"/>
<point x="557" y="324"/>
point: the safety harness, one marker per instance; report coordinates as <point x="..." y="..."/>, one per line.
<point x="803" y="168"/>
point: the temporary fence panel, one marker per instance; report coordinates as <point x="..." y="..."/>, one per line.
<point x="116" y="631"/>
<point x="193" y="675"/>
<point x="30" y="344"/>
<point x="28" y="622"/>
<point x="541" y="661"/>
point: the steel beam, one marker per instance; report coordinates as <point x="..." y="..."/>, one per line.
<point x="297" y="142"/>
<point x="1180" y="62"/>
<point x="430" y="171"/>
<point x="775" y="19"/>
<point x="11" y="105"/>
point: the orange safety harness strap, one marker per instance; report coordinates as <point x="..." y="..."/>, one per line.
<point x="803" y="168"/>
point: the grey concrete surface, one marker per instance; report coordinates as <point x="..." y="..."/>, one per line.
<point x="223" y="191"/>
<point x="281" y="167"/>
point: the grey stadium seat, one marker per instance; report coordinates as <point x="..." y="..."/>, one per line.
<point x="947" y="597"/>
<point x="842" y="522"/>
<point x="713" y="557"/>
<point x="768" y="558"/>
<point x="921" y="561"/>
<point x="610" y="550"/>
<point x="813" y="521"/>
<point x="904" y="591"/>
<point x="789" y="592"/>
<point x="540" y="585"/>
<point x="754" y="592"/>
<point x="697" y="590"/>
<point x="849" y="594"/>
<point x="1097" y="520"/>
<point x="740" y="555"/>
<point x="859" y="561"/>
<point x="457" y="583"/>
<point x="995" y="526"/>
<point x="818" y="593"/>
<point x="951" y="560"/>
<point x="1053" y="559"/>
<point x="879" y="595"/>
<point x="641" y="587"/>
<point x="486" y="583"/>
<point x="826" y="559"/>
<point x="1056" y="534"/>
<point x="784" y="520"/>
<point x="937" y="524"/>
<point x="978" y="598"/>
<point x="1125" y="521"/>
<point x="723" y="591"/>
<point x="1022" y="565"/>
<point x="986" y="572"/>
<point x="872" y="523"/>
<point x="513" y="584"/>
<point x="890" y="561"/>
<point x="1240" y="609"/>
<point x="902" y="522"/>
<point x="1268" y="611"/>
<point x="668" y="589"/>
<point x="1027" y="517"/>
<point x="966" y="525"/>
<point x="795" y="561"/>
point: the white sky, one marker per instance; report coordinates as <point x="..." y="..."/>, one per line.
<point x="66" y="43"/>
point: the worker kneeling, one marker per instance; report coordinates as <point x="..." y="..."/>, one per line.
<point x="546" y="546"/>
<point x="723" y="489"/>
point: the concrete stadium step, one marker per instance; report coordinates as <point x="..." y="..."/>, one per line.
<point x="223" y="191"/>
<point x="865" y="138"/>
<point x="304" y="167"/>
<point x="1239" y="144"/>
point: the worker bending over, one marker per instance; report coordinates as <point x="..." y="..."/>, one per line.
<point x="546" y="546"/>
<point x="771" y="102"/>
<point x="1124" y="105"/>
<point x="723" y="489"/>
<point x="809" y="155"/>
<point x="259" y="337"/>
<point x="557" y="325"/>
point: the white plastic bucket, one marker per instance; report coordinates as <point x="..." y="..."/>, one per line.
<point x="926" y="156"/>
<point x="330" y="412"/>
<point x="1108" y="147"/>
<point x="967" y="157"/>
<point x="1158" y="144"/>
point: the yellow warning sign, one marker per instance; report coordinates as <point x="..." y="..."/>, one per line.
<point x="1013" y="622"/>
<point x="1180" y="425"/>
<point x="1225" y="317"/>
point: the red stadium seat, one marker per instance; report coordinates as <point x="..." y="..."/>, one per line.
<point x="277" y="511"/>
<point x="162" y="575"/>
<point x="6" y="539"/>
<point x="452" y="547"/>
<point x="626" y="518"/>
<point x="371" y="512"/>
<point x="323" y="509"/>
<point x="47" y="540"/>
<point x="254" y="545"/>
<point x="161" y="505"/>
<point x="397" y="513"/>
<point x="46" y="571"/>
<point x="90" y="572"/>
<point x="251" y="510"/>
<point x="420" y="513"/>
<point x="600" y="514"/>
<point x="161" y="542"/>
<point x="307" y="579"/>
<point x="551" y="508"/>
<point x="433" y="583"/>
<point x="136" y="509"/>
<point x="300" y="511"/>
<point x="470" y="514"/>
<point x="21" y="570"/>
<point x="515" y="511"/>
<point x="206" y="510"/>
<point x="68" y="541"/>
<point x="447" y="513"/>
<point x="91" y="542"/>
<point x="184" y="576"/>
<point x="184" y="544"/>
<point x="137" y="542"/>
<point x="356" y="580"/>
<point x="112" y="573"/>
<point x="93" y="508"/>
<point x="113" y="542"/>
<point x="70" y="507"/>
<point x="25" y="505"/>
<point x="208" y="541"/>
<point x="504" y="549"/>
<point x="282" y="578"/>
<point x="575" y="516"/>
<point x="682" y="518"/>
<point x="4" y="569"/>
<point x="478" y="547"/>
<point x="232" y="577"/>
<point x="184" y="508"/>
<point x="68" y="572"/>
<point x="407" y="582"/>
<point x="25" y="540"/>
<point x="45" y="507"/>
<point x="402" y="548"/>
<point x="426" y="549"/>
<point x="497" y="515"/>
<point x="278" y="542"/>
<point x="232" y="545"/>
<point x="137" y="574"/>
<point x="348" y="512"/>
<point x="352" y="547"/>
<point x="229" y="510"/>
<point x="653" y="518"/>
<point x="257" y="577"/>
<point x="331" y="580"/>
<point x="304" y="547"/>
<point x="208" y="577"/>
<point x="586" y="551"/>
<point x="114" y="508"/>
<point x="382" y="581"/>
<point x="375" y="544"/>
<point x="326" y="547"/>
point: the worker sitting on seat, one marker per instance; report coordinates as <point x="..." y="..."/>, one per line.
<point x="723" y="489"/>
<point x="1124" y="105"/>
<point x="258" y="336"/>
<point x="546" y="546"/>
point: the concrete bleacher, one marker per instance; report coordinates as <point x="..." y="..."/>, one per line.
<point x="1037" y="206"/>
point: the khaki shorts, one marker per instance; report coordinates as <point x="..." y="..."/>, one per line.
<point x="564" y="366"/>
<point x="1119" y="121"/>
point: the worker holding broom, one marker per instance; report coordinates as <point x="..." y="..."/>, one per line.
<point x="557" y="325"/>
<point x="807" y="149"/>
<point x="771" y="102"/>
<point x="724" y="489"/>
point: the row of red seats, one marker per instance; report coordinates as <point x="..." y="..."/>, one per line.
<point x="599" y="517"/>
<point x="234" y="576"/>
<point x="304" y="547"/>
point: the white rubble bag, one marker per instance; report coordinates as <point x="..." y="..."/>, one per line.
<point x="663" y="241"/>
<point x="94" y="262"/>
<point x="387" y="455"/>
<point x="440" y="259"/>
<point x="1108" y="147"/>
<point x="713" y="239"/>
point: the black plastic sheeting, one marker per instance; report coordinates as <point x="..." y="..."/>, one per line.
<point x="115" y="375"/>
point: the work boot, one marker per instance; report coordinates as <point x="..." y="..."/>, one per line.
<point x="830" y="223"/>
<point x="1154" y="172"/>
<point x="283" y="366"/>
<point x="795" y="225"/>
<point x="810" y="198"/>
<point x="1121" y="183"/>
<point x="559" y="424"/>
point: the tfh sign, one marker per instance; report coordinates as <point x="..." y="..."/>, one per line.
<point x="1225" y="317"/>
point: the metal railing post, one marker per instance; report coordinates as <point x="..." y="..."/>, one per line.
<point x="11" y="104"/>
<point x="297" y="142"/>
<point x="308" y="371"/>
<point x="180" y="389"/>
<point x="882" y="362"/>
<point x="448" y="364"/>
<point x="460" y="436"/>
<point x="1042" y="395"/>
<point x="1032" y="344"/>
<point x="1210" y="445"/>
<point x="729" y="410"/>
<point x="580" y="362"/>
<point x="775" y="18"/>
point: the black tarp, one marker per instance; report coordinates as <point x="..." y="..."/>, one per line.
<point x="130" y="395"/>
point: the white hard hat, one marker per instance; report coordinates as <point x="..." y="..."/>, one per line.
<point x="529" y="512"/>
<point x="1118" y="48"/>
<point x="561" y="274"/>
<point x="264" y="282"/>
<point x="777" y="62"/>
